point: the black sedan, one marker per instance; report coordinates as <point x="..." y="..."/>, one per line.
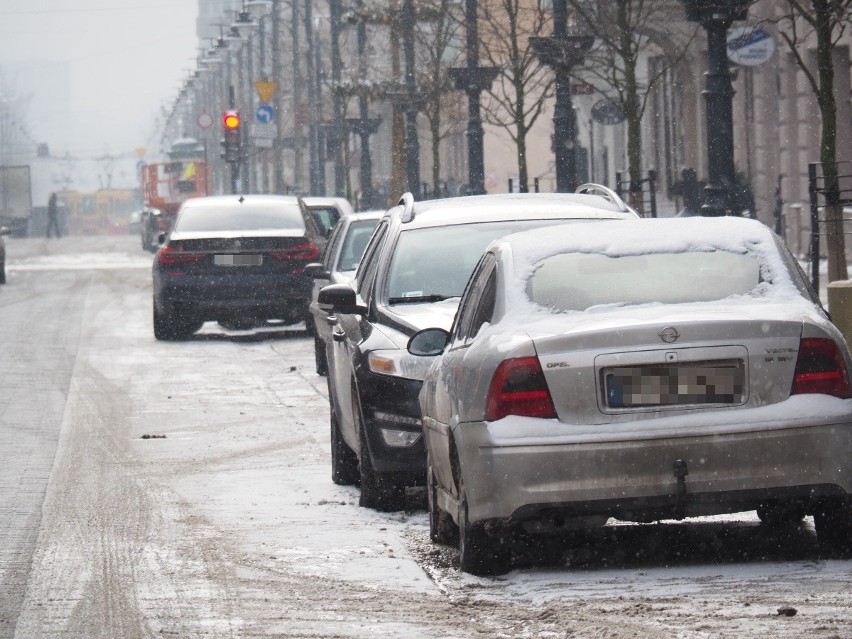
<point x="238" y="260"/>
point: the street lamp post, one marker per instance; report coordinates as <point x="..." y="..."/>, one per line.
<point x="315" y="164"/>
<point x="562" y="52"/>
<point x="335" y="11"/>
<point x="473" y="79"/>
<point x="716" y="16"/>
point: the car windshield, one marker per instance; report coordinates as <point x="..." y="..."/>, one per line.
<point x="357" y="236"/>
<point x="246" y="217"/>
<point x="430" y="264"/>
<point x="578" y="281"/>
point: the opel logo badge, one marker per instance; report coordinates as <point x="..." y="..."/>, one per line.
<point x="669" y="335"/>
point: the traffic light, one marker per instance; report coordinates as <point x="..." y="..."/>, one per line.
<point x="232" y="142"/>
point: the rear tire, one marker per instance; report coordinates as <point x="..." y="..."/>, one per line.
<point x="379" y="491"/>
<point x="344" y="461"/>
<point x="168" y="328"/>
<point x="442" y="528"/>
<point x="482" y="552"/>
<point x="163" y="328"/>
<point x="320" y="357"/>
<point x="833" y="520"/>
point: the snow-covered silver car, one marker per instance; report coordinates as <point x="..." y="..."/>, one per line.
<point x="641" y="370"/>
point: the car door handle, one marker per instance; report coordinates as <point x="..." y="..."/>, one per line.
<point x="338" y="337"/>
<point x="331" y="320"/>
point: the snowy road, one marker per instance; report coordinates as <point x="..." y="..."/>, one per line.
<point x="183" y="490"/>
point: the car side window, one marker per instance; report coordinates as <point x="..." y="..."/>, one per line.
<point x="331" y="247"/>
<point x="370" y="263"/>
<point x="468" y="315"/>
<point x="326" y="217"/>
<point x="485" y="309"/>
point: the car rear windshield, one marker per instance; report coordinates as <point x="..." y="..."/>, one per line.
<point x="435" y="262"/>
<point x="578" y="281"/>
<point x="245" y="217"/>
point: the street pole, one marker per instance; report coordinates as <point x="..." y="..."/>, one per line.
<point x="564" y="120"/>
<point x="366" y="127"/>
<point x="473" y="80"/>
<point x="562" y="52"/>
<point x="335" y="11"/>
<point x="716" y="18"/>
<point x="279" y="185"/>
<point x="297" y="107"/>
<point x="317" y="186"/>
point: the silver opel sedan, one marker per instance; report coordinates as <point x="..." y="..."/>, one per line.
<point x="641" y="370"/>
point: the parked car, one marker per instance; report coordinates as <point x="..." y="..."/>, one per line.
<point x="642" y="370"/>
<point x="238" y="260"/>
<point x="4" y="231"/>
<point x="339" y="262"/>
<point x="411" y="276"/>
<point x="325" y="213"/>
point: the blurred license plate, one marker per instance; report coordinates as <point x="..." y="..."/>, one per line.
<point x="637" y="386"/>
<point x="238" y="260"/>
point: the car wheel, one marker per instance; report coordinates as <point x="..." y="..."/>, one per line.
<point x="379" y="491"/>
<point x="442" y="528"/>
<point x="344" y="461"/>
<point x="482" y="552"/>
<point x="168" y="328"/>
<point x="163" y="326"/>
<point x="320" y="357"/>
<point x="3" y="272"/>
<point x="781" y="514"/>
<point x="833" y="520"/>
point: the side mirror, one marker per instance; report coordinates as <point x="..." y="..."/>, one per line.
<point x="340" y="299"/>
<point x="316" y="271"/>
<point x="161" y="238"/>
<point x="429" y="342"/>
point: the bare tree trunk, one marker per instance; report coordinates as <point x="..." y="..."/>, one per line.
<point x="835" y="238"/>
<point x="398" y="179"/>
<point x="435" y="127"/>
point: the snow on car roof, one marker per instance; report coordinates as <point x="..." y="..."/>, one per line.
<point x="620" y="238"/>
<point x="510" y="206"/>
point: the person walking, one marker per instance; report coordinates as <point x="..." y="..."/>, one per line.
<point x="53" y="216"/>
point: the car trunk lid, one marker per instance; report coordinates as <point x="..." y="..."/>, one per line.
<point x="608" y="371"/>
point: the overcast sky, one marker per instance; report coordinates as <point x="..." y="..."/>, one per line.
<point x="127" y="59"/>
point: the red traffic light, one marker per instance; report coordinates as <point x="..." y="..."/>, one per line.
<point x="231" y="120"/>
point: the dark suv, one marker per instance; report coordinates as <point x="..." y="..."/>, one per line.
<point x="411" y="276"/>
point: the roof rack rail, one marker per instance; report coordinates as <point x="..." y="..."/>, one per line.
<point x="590" y="188"/>
<point x="407" y="201"/>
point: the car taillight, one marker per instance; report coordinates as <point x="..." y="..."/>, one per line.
<point x="169" y="255"/>
<point x="519" y="388"/>
<point x="820" y="369"/>
<point x="303" y="252"/>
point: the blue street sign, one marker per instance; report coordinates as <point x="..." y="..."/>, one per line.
<point x="264" y="114"/>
